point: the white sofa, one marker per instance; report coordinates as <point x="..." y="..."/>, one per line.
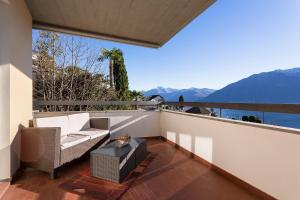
<point x="54" y="141"/>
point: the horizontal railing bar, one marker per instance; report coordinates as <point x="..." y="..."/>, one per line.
<point x="95" y="103"/>
<point x="279" y="108"/>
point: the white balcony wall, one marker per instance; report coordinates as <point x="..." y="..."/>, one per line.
<point x="266" y="157"/>
<point x="134" y="123"/>
<point x="15" y="81"/>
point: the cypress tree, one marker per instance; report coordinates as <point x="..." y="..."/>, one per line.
<point x="181" y="100"/>
<point x="121" y="79"/>
<point x="120" y="75"/>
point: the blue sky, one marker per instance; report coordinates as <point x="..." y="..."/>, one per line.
<point x="230" y="41"/>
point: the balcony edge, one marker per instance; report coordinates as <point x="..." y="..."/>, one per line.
<point x="256" y="125"/>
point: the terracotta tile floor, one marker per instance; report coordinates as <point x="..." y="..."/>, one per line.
<point x="3" y="188"/>
<point x="171" y="175"/>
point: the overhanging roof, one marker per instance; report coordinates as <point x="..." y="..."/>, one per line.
<point x="148" y="23"/>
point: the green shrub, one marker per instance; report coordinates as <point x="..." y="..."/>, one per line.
<point x="245" y="118"/>
<point x="252" y="118"/>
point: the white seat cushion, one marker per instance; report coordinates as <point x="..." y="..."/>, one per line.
<point x="59" y="121"/>
<point x="72" y="140"/>
<point x="93" y="133"/>
<point x="79" y="122"/>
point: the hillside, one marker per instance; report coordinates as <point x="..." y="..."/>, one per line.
<point x="279" y="86"/>
<point x="170" y="94"/>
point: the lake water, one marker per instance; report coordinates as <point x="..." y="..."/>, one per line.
<point x="279" y="119"/>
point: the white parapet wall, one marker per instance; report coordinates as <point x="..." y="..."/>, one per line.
<point x="133" y="123"/>
<point x="136" y="123"/>
<point x="267" y="157"/>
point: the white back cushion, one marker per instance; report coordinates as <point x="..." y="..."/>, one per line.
<point x="59" y="121"/>
<point x="79" y="122"/>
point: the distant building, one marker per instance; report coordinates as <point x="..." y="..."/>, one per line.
<point x="153" y="98"/>
<point x="198" y="110"/>
<point x="34" y="61"/>
<point x="35" y="55"/>
<point x="156" y="98"/>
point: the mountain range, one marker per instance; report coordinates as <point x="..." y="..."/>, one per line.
<point x="279" y="86"/>
<point x="190" y="94"/>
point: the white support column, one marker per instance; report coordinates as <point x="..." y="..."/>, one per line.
<point x="15" y="81"/>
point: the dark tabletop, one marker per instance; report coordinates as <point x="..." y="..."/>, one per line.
<point x="112" y="148"/>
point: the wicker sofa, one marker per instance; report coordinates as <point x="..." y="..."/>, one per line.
<point x="54" y="141"/>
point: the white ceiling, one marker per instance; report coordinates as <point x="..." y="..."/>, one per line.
<point x="148" y="23"/>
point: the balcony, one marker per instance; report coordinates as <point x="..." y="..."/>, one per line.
<point x="196" y="157"/>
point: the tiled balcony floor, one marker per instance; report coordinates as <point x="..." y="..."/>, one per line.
<point x="171" y="175"/>
<point x="3" y="188"/>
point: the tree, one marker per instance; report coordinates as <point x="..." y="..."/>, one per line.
<point x="136" y="95"/>
<point x="251" y="119"/>
<point x="181" y="100"/>
<point x="64" y="69"/>
<point x="114" y="55"/>
<point x="117" y="71"/>
<point x="121" y="79"/>
<point x="245" y="118"/>
<point x="48" y="48"/>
